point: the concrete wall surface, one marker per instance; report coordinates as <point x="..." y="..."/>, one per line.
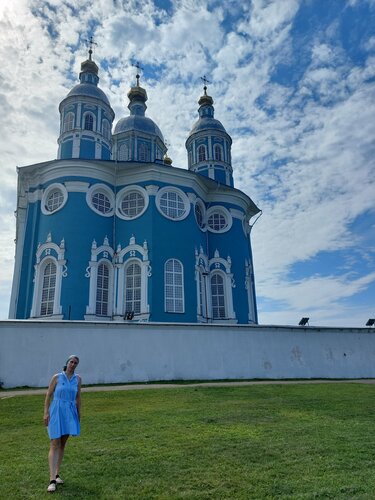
<point x="32" y="351"/>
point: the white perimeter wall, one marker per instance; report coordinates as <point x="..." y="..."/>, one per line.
<point x="32" y="351"/>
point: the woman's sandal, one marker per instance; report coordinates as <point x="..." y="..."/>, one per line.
<point x="59" y="480"/>
<point x="52" y="486"/>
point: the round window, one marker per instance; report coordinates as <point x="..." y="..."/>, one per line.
<point x="101" y="199"/>
<point x="54" y="200"/>
<point x="101" y="202"/>
<point x="172" y="205"/>
<point x="217" y="221"/>
<point x="132" y="204"/>
<point x="199" y="212"/>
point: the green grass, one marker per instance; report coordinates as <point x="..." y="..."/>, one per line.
<point x="256" y="442"/>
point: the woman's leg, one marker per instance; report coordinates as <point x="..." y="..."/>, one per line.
<point x="53" y="457"/>
<point x="63" y="441"/>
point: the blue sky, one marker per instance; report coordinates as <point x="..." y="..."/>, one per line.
<point x="293" y="82"/>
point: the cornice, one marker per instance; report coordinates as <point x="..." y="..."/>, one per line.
<point x="121" y="174"/>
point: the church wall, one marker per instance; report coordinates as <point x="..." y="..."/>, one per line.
<point x="87" y="148"/>
<point x="78" y="225"/>
<point x="67" y="148"/>
<point x="32" y="351"/>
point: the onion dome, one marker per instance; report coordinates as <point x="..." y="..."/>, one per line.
<point x="167" y="160"/>
<point x="86" y="118"/>
<point x="206" y="119"/>
<point x="209" y="145"/>
<point x="137" y="137"/>
<point x="88" y="83"/>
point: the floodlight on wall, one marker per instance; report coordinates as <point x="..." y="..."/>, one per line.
<point x="304" y="322"/>
<point x="129" y="315"/>
<point x="370" y="322"/>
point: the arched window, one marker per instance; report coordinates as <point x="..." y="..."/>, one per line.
<point x="102" y="290"/>
<point x="123" y="154"/>
<point x="218" y="153"/>
<point x="48" y="289"/>
<point x="143" y="152"/>
<point x="217" y="296"/>
<point x="202" y="296"/>
<point x="106" y="129"/>
<point x="174" y="286"/>
<point x="133" y="288"/>
<point x="201" y="153"/>
<point x="50" y="269"/>
<point x="89" y="121"/>
<point x="68" y="122"/>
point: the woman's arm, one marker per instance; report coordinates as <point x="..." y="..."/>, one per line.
<point x="47" y="401"/>
<point x="78" y="397"/>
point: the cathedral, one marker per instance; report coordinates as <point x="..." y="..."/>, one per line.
<point x="112" y="231"/>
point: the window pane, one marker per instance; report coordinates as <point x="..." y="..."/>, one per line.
<point x="101" y="202"/>
<point x="133" y="289"/>
<point x="132" y="204"/>
<point x="172" y="205"/>
<point x="217" y="221"/>
<point x="89" y="122"/>
<point x="102" y="290"/>
<point x="48" y="289"/>
<point x="55" y="200"/>
<point x="218" y="297"/>
<point x="173" y="288"/>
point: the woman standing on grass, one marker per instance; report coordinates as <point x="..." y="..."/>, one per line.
<point x="63" y="415"/>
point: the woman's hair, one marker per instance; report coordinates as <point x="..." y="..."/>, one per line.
<point x="67" y="361"/>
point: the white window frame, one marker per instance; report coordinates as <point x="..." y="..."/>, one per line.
<point x="201" y="205"/>
<point x="85" y="114"/>
<point x="249" y="286"/>
<point x="123" y="148"/>
<point x="175" y="288"/>
<point x="106" y="129"/>
<point x="204" y="148"/>
<point x="144" y="152"/>
<point x="218" y="147"/>
<point x="69" y="120"/>
<point x="46" y="194"/>
<point x="107" y="191"/>
<point x="139" y="254"/>
<point x="100" y="255"/>
<point x="124" y="192"/>
<point x="223" y="266"/>
<point x="222" y="211"/>
<point x="138" y="301"/>
<point x="47" y="253"/>
<point x="179" y="192"/>
<point x="203" y="287"/>
<point x="222" y="276"/>
<point x="99" y="299"/>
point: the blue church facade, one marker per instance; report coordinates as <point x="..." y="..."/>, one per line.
<point x="111" y="231"/>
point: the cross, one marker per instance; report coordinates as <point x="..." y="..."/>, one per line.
<point x="138" y="66"/>
<point x="91" y="43"/>
<point x="205" y="81"/>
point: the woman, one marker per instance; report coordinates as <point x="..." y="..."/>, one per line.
<point x="63" y="415"/>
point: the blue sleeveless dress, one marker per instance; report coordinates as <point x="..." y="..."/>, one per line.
<point x="63" y="410"/>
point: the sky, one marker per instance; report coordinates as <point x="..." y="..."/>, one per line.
<point x="293" y="82"/>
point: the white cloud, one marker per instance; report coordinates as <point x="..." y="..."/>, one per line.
<point x="304" y="151"/>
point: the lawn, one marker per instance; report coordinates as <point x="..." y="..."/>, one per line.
<point x="250" y="442"/>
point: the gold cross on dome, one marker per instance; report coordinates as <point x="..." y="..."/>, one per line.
<point x="205" y="81"/>
<point x="91" y="43"/>
<point x="139" y="69"/>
